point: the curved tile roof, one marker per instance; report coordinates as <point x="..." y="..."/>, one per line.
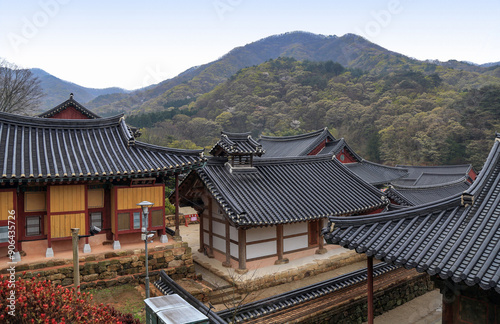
<point x="287" y="190"/>
<point x="376" y="174"/>
<point x="69" y="103"/>
<point x="425" y="194"/>
<point x="62" y="149"/>
<point x="296" y="145"/>
<point x="237" y="144"/>
<point x="433" y="175"/>
<point x="457" y="238"/>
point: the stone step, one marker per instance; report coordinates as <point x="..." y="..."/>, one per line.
<point x="224" y="295"/>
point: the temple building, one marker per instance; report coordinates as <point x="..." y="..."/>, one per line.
<point x="256" y="211"/>
<point x="58" y="173"/>
<point x="455" y="240"/>
<point x="419" y="176"/>
<point x="322" y="142"/>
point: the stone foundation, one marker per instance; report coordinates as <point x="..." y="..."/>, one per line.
<point x="384" y="300"/>
<point x="252" y="282"/>
<point x="115" y="268"/>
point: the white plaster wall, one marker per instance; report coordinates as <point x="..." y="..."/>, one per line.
<point x="261" y="249"/>
<point x="234" y="250"/>
<point x="233" y="232"/>
<point x="206" y="238"/>
<point x="295" y="228"/>
<point x="261" y="233"/>
<point x="219" y="228"/>
<point x="215" y="210"/>
<point x="295" y="243"/>
<point x="206" y="222"/>
<point x="220" y="244"/>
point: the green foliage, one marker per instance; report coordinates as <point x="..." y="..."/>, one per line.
<point x="39" y="301"/>
<point x="399" y="112"/>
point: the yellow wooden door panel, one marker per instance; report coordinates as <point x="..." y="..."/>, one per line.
<point x="61" y="225"/>
<point x="67" y="198"/>
<point x="6" y="204"/>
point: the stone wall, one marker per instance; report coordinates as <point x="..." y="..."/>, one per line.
<point x="384" y="300"/>
<point x="115" y="268"/>
<point x="170" y="221"/>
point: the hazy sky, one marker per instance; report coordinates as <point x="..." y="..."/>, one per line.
<point x="132" y="44"/>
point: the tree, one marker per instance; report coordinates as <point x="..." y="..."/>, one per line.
<point x="20" y="90"/>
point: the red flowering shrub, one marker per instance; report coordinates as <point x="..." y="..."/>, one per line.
<point x="43" y="302"/>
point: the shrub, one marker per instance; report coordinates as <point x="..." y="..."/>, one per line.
<point x="43" y="302"/>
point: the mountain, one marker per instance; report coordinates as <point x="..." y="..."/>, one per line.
<point x="57" y="90"/>
<point x="490" y="64"/>
<point x="349" y="50"/>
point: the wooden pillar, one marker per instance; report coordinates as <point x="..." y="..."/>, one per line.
<point x="242" y="251"/>
<point x="369" y="270"/>
<point x="201" y="217"/>
<point x="210" y="230"/>
<point x="447" y="316"/>
<point x="279" y="245"/>
<point x="47" y="206"/>
<point x="177" y="235"/>
<point x="321" y="244"/>
<point x="449" y="302"/>
<point x="227" y="263"/>
<point x="49" y="253"/>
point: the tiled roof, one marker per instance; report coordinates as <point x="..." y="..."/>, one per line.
<point x="294" y="298"/>
<point x="60" y="149"/>
<point x="413" y="196"/>
<point x="376" y="174"/>
<point x="296" y="145"/>
<point x="169" y="287"/>
<point x="236" y="144"/>
<point x="287" y="190"/>
<point x="450" y="238"/>
<point x="69" y="103"/>
<point x="433" y="175"/>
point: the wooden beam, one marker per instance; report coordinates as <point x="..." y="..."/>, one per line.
<point x="177" y="235"/>
<point x="242" y="251"/>
<point x="201" y="217"/>
<point x="369" y="269"/>
<point x="210" y="230"/>
<point x="279" y="245"/>
<point x="227" y="263"/>
<point x="47" y="207"/>
<point x="321" y="244"/>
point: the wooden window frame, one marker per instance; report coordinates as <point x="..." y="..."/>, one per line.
<point x="131" y="220"/>
<point x="40" y="226"/>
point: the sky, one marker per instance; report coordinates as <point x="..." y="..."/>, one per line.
<point x="132" y="44"/>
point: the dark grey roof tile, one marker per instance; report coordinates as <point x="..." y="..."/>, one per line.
<point x="450" y="238"/>
<point x="40" y="148"/>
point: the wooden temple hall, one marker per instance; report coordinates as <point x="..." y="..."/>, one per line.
<point x="69" y="168"/>
<point x="258" y="211"/>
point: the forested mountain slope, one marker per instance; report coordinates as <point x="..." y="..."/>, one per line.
<point x="401" y="111"/>
<point x="349" y="50"/>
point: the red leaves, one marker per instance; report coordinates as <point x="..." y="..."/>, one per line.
<point x="44" y="302"/>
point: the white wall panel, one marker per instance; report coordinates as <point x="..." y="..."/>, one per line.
<point x="261" y="233"/>
<point x="295" y="243"/>
<point x="233" y="232"/>
<point x="234" y="250"/>
<point x="220" y="244"/>
<point x="295" y="228"/>
<point x="219" y="228"/>
<point x="261" y="249"/>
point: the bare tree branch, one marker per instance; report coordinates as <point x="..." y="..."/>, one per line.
<point x="20" y="90"/>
